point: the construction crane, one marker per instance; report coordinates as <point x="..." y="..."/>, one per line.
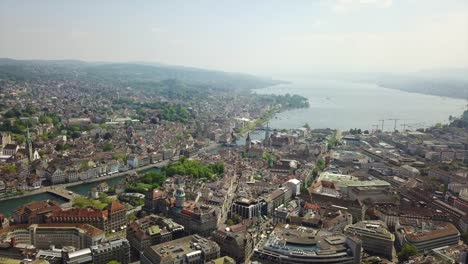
<point x="383" y="121"/>
<point x="395" y="120"/>
<point x="376" y="127"/>
<point x="404" y="125"/>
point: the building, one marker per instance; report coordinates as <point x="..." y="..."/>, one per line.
<point x="111" y="219"/>
<point x="5" y="139"/>
<point x="375" y="237"/>
<point x="190" y="249"/>
<point x="43" y="236"/>
<point x="4" y="222"/>
<point x="117" y="249"/>
<point x="461" y="203"/>
<point x="10" y="149"/>
<point x="247" y="208"/>
<point x="195" y="218"/>
<point x="91" y="216"/>
<point x="297" y="244"/>
<point x="275" y="199"/>
<point x="76" y="235"/>
<point x="52" y="255"/>
<point x="295" y="186"/>
<point x="340" y="185"/>
<point x="223" y="260"/>
<point x="237" y="245"/>
<point x="78" y="257"/>
<point x="426" y="235"/>
<point x="117" y="216"/>
<point x="36" y="212"/>
<point x="448" y="254"/>
<point x="2" y="188"/>
<point x="152" y="230"/>
<point x="155" y="201"/>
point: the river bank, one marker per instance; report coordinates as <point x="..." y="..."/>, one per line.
<point x="99" y="179"/>
<point x="9" y="204"/>
<point x="251" y="126"/>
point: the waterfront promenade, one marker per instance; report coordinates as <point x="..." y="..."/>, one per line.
<point x="46" y="189"/>
<point x="53" y="188"/>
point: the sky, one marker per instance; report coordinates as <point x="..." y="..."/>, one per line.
<point x="252" y="36"/>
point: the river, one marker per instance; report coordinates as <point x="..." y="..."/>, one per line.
<point x="345" y="104"/>
<point x="9" y="206"/>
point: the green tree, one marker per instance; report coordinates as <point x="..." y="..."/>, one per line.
<point x="465" y="237"/>
<point x="407" y="251"/>
<point x="20" y="138"/>
<point x="269" y="158"/>
<point x="132" y="217"/>
<point x="120" y="156"/>
<point x="320" y="164"/>
<point x="12" y="113"/>
<point x="108" y="146"/>
<point x="306" y="126"/>
<point x="45" y="119"/>
<point x="10" y="168"/>
<point x="236" y="219"/>
<point x="75" y="134"/>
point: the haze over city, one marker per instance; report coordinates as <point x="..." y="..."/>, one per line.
<point x="262" y="37"/>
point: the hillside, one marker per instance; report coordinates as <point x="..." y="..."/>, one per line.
<point x="125" y="73"/>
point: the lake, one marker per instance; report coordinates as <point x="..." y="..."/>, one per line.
<point x="345" y="104"/>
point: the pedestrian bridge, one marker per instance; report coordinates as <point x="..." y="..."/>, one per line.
<point x="63" y="193"/>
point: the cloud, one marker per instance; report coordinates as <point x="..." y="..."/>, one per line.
<point x="428" y="42"/>
<point x="345" y="6"/>
<point x="317" y="24"/>
<point x="156" y="30"/>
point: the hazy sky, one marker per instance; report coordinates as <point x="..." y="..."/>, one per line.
<point x="245" y="36"/>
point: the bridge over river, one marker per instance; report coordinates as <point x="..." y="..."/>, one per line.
<point x="64" y="194"/>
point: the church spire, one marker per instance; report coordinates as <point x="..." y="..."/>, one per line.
<point x="29" y="145"/>
<point x="248" y="141"/>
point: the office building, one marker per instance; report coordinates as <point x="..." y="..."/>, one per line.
<point x="117" y="249"/>
<point x="375" y="237"/>
<point x="298" y="244"/>
<point x="190" y="249"/>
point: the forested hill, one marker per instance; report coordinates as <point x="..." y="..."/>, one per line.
<point x="448" y="82"/>
<point x="125" y="73"/>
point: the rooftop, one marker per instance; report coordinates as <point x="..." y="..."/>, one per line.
<point x="371" y="228"/>
<point x="419" y="235"/>
<point x="183" y="246"/>
<point x="349" y="181"/>
<point x="288" y="239"/>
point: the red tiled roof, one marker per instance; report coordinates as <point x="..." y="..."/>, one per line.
<point x="308" y="205"/>
<point x="448" y="230"/>
<point x="116" y="206"/>
<point x="79" y="212"/>
<point x="39" y="207"/>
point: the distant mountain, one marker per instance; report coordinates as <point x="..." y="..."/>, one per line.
<point x="126" y="73"/>
<point x="445" y="82"/>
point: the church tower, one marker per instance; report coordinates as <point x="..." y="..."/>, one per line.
<point x="29" y="145"/>
<point x="266" y="141"/>
<point x="179" y="196"/>
<point x="248" y="142"/>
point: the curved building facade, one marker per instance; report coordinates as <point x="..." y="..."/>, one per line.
<point x="297" y="244"/>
